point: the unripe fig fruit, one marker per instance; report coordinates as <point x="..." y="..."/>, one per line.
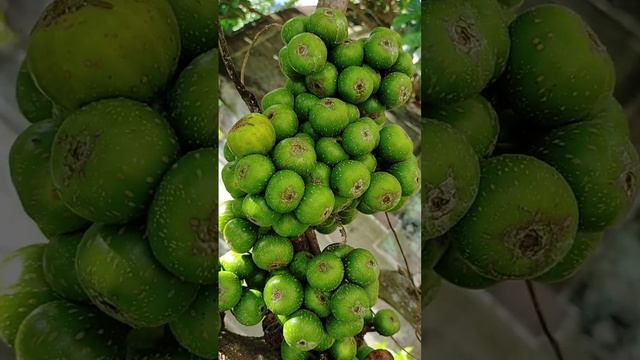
<point x="527" y="215"/>
<point x="307" y="53"/>
<point x="540" y="82"/>
<point x="450" y="182"/>
<point x="602" y="167"/>
<point x="256" y="127"/>
<point x="74" y="63"/>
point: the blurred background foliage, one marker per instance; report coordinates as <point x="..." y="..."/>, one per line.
<point x="402" y="16"/>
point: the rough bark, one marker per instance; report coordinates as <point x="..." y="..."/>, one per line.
<point x="336" y="4"/>
<point x="248" y="97"/>
<point x="396" y="290"/>
<point x="236" y="347"/>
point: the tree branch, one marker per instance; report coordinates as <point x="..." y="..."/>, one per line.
<point x="336" y="4"/>
<point x="396" y="290"/>
<point x="248" y="97"/>
<point x="236" y="347"/>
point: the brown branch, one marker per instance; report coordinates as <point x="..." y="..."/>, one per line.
<point x="336" y="4"/>
<point x="248" y="97"/>
<point x="543" y="321"/>
<point x="396" y="290"/>
<point x="314" y="247"/>
<point x="237" y="347"/>
<point x="404" y="256"/>
<point x="245" y="61"/>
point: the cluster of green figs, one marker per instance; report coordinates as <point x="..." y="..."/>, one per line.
<point x="118" y="170"/>
<point x="528" y="158"/>
<point x="318" y="154"/>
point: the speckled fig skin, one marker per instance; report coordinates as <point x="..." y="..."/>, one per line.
<point x="316" y="205"/>
<point x="285" y="65"/>
<point x="343" y="349"/>
<point x="324" y="82"/>
<point x="355" y="85"/>
<point x="295" y="154"/>
<point x="348" y="53"/>
<point x="384" y="192"/>
<point x="543" y="83"/>
<point x="23" y="288"/>
<point x="197" y="328"/>
<point x="59" y="265"/>
<point x="381" y="50"/>
<point x="349" y="302"/>
<point x="82" y="51"/>
<point x="250" y="310"/>
<point x="105" y="171"/>
<point x="522" y="222"/>
<point x="252" y="126"/>
<point x="277" y="96"/>
<point x="307" y="53"/>
<point x="240" y="264"/>
<point x="197" y="20"/>
<point x="350" y="179"/>
<point x="329" y="116"/>
<point x="602" y="167"/>
<point x="467" y="45"/>
<point x="331" y="25"/>
<point x="252" y="173"/>
<point x="193" y="102"/>
<point x="396" y="89"/>
<point x="33" y="104"/>
<point x="182" y="223"/>
<point x="136" y="288"/>
<point x="584" y="245"/>
<point x="284" y="191"/>
<point x="450" y="178"/>
<point x="283" y="294"/>
<point x="290" y="353"/>
<point x="456" y="270"/>
<point x="293" y="27"/>
<point x="229" y="290"/>
<point x="475" y="118"/>
<point x="62" y="330"/>
<point x="29" y="160"/>
<point x="611" y="113"/>
<point x="303" y="330"/>
<point x="272" y="252"/>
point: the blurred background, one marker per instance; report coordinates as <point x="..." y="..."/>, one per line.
<point x="241" y="22"/>
<point x="596" y="315"/>
<point x="17" y="17"/>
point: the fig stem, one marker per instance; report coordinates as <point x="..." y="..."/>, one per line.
<point x="247" y="96"/>
<point x="543" y="322"/>
<point x="314" y="247"/>
<point x="402" y="348"/>
<point x="404" y="256"/>
<point x="245" y="61"/>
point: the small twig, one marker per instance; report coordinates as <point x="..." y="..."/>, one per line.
<point x="314" y="247"/>
<point x="253" y="42"/>
<point x="403" y="348"/>
<point x="248" y="97"/>
<point x="543" y="321"/>
<point x="343" y="232"/>
<point x="404" y="257"/>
